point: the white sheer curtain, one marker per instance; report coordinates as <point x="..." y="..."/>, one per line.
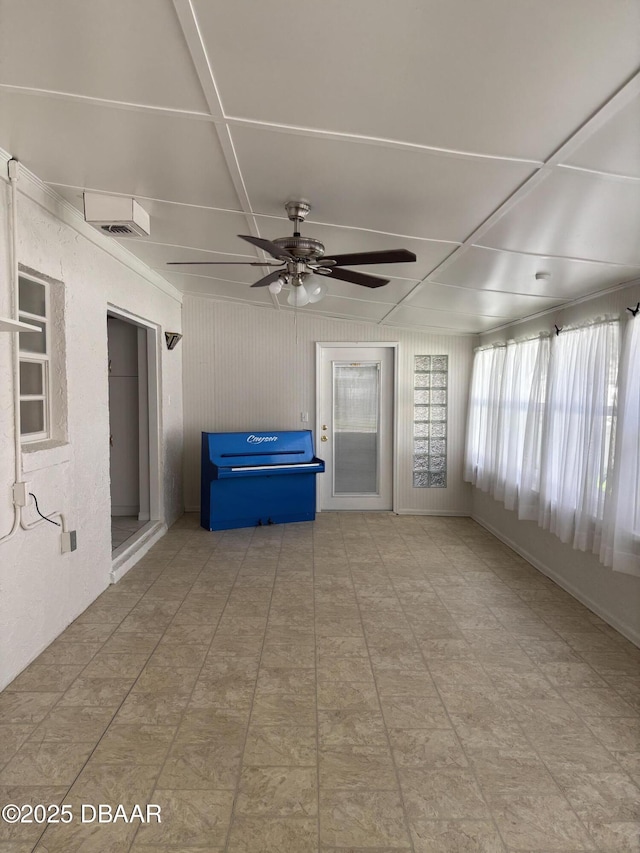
<point x="577" y="432"/>
<point x="529" y="492"/>
<point x="482" y="421"/>
<point x="620" y="546"/>
<point x="521" y="392"/>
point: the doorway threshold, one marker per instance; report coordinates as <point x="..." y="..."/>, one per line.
<point x="126" y="555"/>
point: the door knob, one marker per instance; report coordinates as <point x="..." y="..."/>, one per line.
<point x="324" y="438"/>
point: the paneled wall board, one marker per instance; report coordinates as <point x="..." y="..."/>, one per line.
<point x="248" y="368"/>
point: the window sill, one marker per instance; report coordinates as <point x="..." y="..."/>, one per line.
<point x="44" y="454"/>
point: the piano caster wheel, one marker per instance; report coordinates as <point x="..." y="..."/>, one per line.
<point x="259" y="522"/>
<point x="269" y="521"/>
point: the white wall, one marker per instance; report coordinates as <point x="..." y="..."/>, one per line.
<point x="251" y="368"/>
<point x="613" y="596"/>
<point x="42" y="590"/>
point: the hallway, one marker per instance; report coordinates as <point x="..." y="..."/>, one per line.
<point x="366" y="681"/>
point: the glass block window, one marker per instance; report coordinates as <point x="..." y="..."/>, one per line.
<point x="431" y="375"/>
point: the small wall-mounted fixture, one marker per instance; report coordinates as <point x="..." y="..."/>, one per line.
<point x="172" y="339"/>
<point x="116" y="215"/>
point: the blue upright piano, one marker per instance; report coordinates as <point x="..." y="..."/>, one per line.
<point x="254" y="478"/>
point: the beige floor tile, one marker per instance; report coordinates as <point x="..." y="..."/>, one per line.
<point x="273" y="746"/>
<point x="540" y="823"/>
<point x="414" y="712"/>
<point x="464" y="836"/>
<point x="273" y="835"/>
<point x="109" y="665"/>
<point x="68" y="653"/>
<point x="616" y="836"/>
<point x="352" y="767"/>
<point x="12" y="737"/>
<point x="46" y="763"/>
<point x="132" y="642"/>
<point x="134" y="744"/>
<point x="602" y="797"/>
<point x="202" y="765"/>
<point x="173" y="654"/>
<point x="73" y="725"/>
<point x="45" y="678"/>
<point x="618" y="733"/>
<point x="442" y="794"/>
<point x="509" y="773"/>
<point x="278" y="792"/>
<point x="25" y="708"/>
<point x="343" y="669"/>
<point x="78" y="837"/>
<point x="362" y="819"/>
<point x="88" y="691"/>
<point x="356" y="696"/>
<point x="437" y="748"/>
<point x="433" y="653"/>
<point x="282" y="709"/>
<point x="194" y="818"/>
<point x="113" y="783"/>
<point x="27" y="795"/>
<point x="338" y="728"/>
<point x="153" y="710"/>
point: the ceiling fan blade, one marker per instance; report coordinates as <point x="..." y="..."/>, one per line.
<point x="263" y="282"/>
<point x="225" y="263"/>
<point x="390" y="256"/>
<point x="267" y="246"/>
<point x="357" y="277"/>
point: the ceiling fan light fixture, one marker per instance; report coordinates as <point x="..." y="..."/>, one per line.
<point x="316" y="289"/>
<point x="276" y="286"/>
<point x="298" y="297"/>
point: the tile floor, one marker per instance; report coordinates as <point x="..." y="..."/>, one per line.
<point x="366" y="682"/>
<point x="123" y="527"/>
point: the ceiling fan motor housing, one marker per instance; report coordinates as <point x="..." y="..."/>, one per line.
<point x="304" y="248"/>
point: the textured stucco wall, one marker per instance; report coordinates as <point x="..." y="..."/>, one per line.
<point x="42" y="590"/>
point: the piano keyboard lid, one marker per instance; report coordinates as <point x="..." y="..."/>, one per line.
<point x="259" y="449"/>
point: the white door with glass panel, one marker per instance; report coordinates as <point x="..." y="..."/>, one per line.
<point x="355" y="427"/>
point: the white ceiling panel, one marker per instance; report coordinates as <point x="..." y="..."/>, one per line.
<point x="111" y="49"/>
<point x="510" y="272"/>
<point x="233" y="290"/>
<point x="119" y="150"/>
<point x="335" y="306"/>
<point x="156" y="255"/>
<point x="429" y="253"/>
<point x="616" y="146"/>
<point x="474" y="76"/>
<point x="409" y="315"/>
<point x="409" y="192"/>
<point x="351" y="105"/>
<point x="447" y="298"/>
<point x="575" y="214"/>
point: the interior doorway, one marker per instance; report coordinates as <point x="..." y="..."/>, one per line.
<point x="129" y="421"/>
<point x="354" y="435"/>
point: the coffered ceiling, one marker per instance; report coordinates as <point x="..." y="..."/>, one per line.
<point x="492" y="138"/>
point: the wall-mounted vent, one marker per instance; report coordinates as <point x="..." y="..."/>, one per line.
<point x="116" y="215"/>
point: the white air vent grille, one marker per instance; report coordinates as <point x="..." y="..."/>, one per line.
<point x="117" y="229"/>
<point x="116" y="215"/>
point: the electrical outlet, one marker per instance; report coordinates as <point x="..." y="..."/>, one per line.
<point x="21" y="494"/>
<point x="69" y="541"/>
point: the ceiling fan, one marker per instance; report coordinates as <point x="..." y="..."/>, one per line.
<point x="299" y="258"/>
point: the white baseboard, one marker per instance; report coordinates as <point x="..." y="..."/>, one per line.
<point x="127" y="555"/>
<point x="627" y="631"/>
<point x="457" y="513"/>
